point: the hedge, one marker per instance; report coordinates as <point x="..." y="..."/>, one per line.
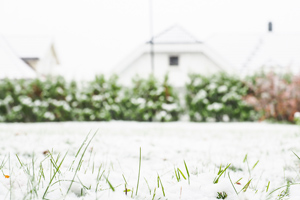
<point x="150" y="100"/>
<point x="275" y="97"/>
<point x="53" y="99"/>
<point x="218" y="97"/>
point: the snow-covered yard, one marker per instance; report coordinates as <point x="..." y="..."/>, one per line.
<point x="111" y="161"/>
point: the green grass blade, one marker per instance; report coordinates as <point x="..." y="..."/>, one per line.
<point x="147" y="185"/>
<point x="52" y="178"/>
<point x="245" y="159"/>
<point x="157" y="181"/>
<point x="83" y="143"/>
<point x="154" y="193"/>
<point x="181" y="173"/>
<point x="138" y="181"/>
<point x="110" y="185"/>
<point x="216" y="180"/>
<point x="238" y="180"/>
<point x="124" y="179"/>
<point x="19" y="160"/>
<point x="162" y="187"/>
<point x="187" y="171"/>
<point x="296" y="155"/>
<point x="176" y="175"/>
<point x="220" y="169"/>
<point x="232" y="184"/>
<point x="246" y="186"/>
<point x="267" y="189"/>
<point x="289" y="184"/>
<point x="80" y="161"/>
<point x="255" y="165"/>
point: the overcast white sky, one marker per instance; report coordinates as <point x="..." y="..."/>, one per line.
<point x="96" y="35"/>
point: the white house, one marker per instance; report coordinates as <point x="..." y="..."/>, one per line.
<point x="178" y="53"/>
<point x="175" y="52"/>
<point x="11" y="66"/>
<point x="251" y="53"/>
<point x="38" y="52"/>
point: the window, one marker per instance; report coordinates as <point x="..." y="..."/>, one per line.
<point x="173" y="60"/>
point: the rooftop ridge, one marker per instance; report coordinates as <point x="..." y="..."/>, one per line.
<point x="174" y="35"/>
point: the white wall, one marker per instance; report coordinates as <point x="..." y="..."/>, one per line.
<point x="47" y="64"/>
<point x="189" y="62"/>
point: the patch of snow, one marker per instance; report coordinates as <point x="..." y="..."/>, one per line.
<point x="204" y="147"/>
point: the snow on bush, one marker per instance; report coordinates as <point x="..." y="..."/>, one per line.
<point x="150" y="100"/>
<point x="102" y="99"/>
<point x="218" y="97"/>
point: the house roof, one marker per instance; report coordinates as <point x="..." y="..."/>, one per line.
<point x="248" y="53"/>
<point x="185" y="43"/>
<point x="281" y="51"/>
<point x="11" y="66"/>
<point x="30" y="47"/>
<point x="235" y="48"/>
<point x="174" y="35"/>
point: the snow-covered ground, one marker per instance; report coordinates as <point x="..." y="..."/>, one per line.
<point x="164" y="148"/>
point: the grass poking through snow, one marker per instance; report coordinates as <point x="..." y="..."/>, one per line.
<point x="63" y="175"/>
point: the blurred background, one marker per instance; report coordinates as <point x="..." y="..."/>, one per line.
<point x="217" y="56"/>
<point x="96" y="36"/>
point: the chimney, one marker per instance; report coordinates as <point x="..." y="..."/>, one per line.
<point x="270" y="27"/>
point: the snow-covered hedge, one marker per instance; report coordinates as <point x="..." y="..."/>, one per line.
<point x="218" y="97"/>
<point x="150" y="100"/>
<point x="34" y="100"/>
<point x="99" y="100"/>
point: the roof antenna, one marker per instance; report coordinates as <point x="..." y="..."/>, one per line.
<point x="270" y="27"/>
